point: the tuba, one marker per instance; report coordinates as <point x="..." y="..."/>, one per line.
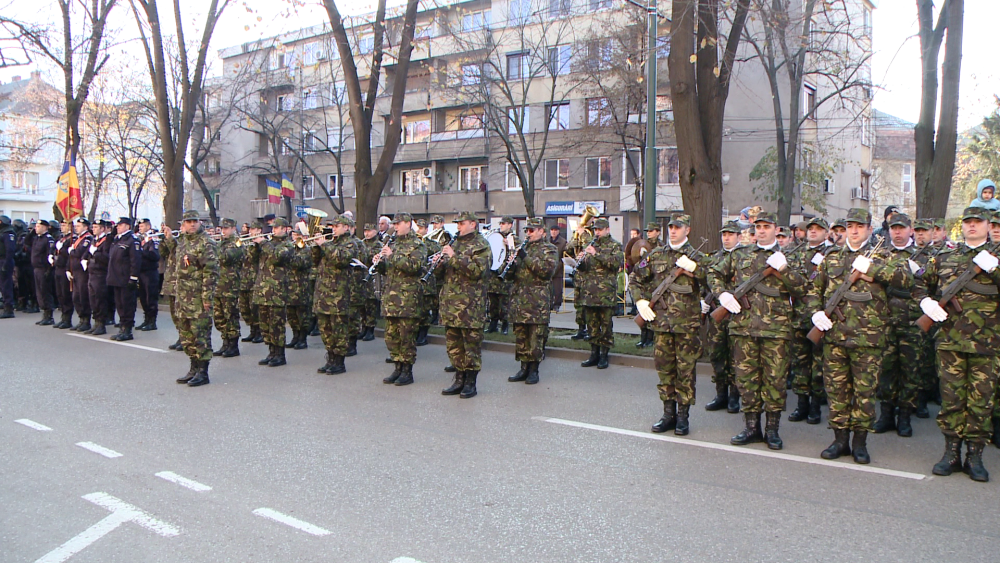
<point x="589" y="214"/>
<point x="313" y="219"/>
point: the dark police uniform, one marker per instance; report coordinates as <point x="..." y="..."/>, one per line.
<point x="43" y="249"/>
<point x="124" y="262"/>
<point x="149" y="282"/>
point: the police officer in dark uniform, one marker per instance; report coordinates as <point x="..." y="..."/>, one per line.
<point x="63" y="285"/>
<point x="97" y="267"/>
<point x="8" y="242"/>
<point x="25" y="273"/>
<point x="124" y="262"/>
<point x="43" y="250"/>
<point x="80" y="251"/>
<point x="149" y="276"/>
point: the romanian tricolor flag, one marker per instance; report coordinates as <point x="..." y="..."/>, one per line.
<point x="287" y="189"/>
<point x="273" y="191"/>
<point x="69" y="199"/>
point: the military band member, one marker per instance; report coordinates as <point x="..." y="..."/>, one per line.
<point x="761" y="327"/>
<point x="402" y="263"/>
<point x="967" y="344"/>
<point x="675" y="319"/>
<point x="582" y="237"/>
<point x="248" y="277"/>
<point x="226" y="307"/>
<point x="168" y="247"/>
<point x="498" y="290"/>
<point x="8" y="248"/>
<point x="149" y="276"/>
<point x="196" y="273"/>
<point x="332" y="301"/>
<point x="299" y="291"/>
<point x="720" y="352"/>
<point x="359" y="289"/>
<point x="43" y="250"/>
<point x="370" y="246"/>
<point x="277" y="256"/>
<point x="598" y="290"/>
<point x="429" y="288"/>
<point x="653" y="240"/>
<point x="853" y="346"/>
<point x="463" y="302"/>
<point x="63" y="284"/>
<point x="531" y="270"/>
<point x="556" y="238"/>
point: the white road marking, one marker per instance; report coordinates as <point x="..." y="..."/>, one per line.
<point x="121" y="512"/>
<point x="99" y="449"/>
<point x="736" y="449"/>
<point x="289" y="521"/>
<point x="107" y="341"/>
<point x="183" y="481"/>
<point x="33" y="424"/>
<point x="405" y="560"/>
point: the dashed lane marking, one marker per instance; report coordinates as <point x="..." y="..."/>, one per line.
<point x="736" y="449"/>
<point x="33" y="424"/>
<point x="99" y="449"/>
<point x="106" y="341"/>
<point x="183" y="481"/>
<point x="289" y="521"/>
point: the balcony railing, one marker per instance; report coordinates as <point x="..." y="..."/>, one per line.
<point x="459" y="135"/>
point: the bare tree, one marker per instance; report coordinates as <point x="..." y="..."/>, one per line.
<point x="935" y="147"/>
<point x="15" y="47"/>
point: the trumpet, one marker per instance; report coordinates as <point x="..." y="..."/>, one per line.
<point x="301" y="243"/>
<point x="378" y="258"/>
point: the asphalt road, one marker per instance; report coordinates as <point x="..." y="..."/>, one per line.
<point x="377" y="473"/>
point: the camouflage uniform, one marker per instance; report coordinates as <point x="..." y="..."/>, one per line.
<point x="926" y="370"/>
<point x="598" y="291"/>
<point x="248" y="277"/>
<point x="580" y="283"/>
<point x="195" y="273"/>
<point x="401" y="295"/>
<point x="168" y="253"/>
<point x="332" y="301"/>
<point x="720" y="351"/>
<point x="301" y="285"/>
<point x="530" y="301"/>
<point x="498" y="290"/>
<point x="463" y="298"/>
<point x="429" y="292"/>
<point x="270" y="293"/>
<point x="358" y="285"/>
<point x="372" y="308"/>
<point x="227" y="315"/>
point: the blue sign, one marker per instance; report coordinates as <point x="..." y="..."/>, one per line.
<point x="105" y="216"/>
<point x="560" y="207"/>
<point x="300" y="210"/>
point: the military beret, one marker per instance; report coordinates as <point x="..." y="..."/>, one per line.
<point x="421" y="222"/>
<point x="466" y="216"/>
<point x="125" y="221"/>
<point x="839" y="223"/>
<point x="784" y="232"/>
<point x="403" y="217"/>
<point x="370" y="227"/>
<point x="190" y="215"/>
<point x="859" y="215"/>
<point x="535" y="223"/>
<point x="507" y="219"/>
<point x="280" y="222"/>
<point x="653" y="226"/>
<point x="731" y="227"/>
<point x="256" y="225"/>
<point x="679" y="220"/>
<point x="924" y="224"/>
<point x="228" y="223"/>
<point x="766" y="217"/>
<point x="600" y="223"/>
<point x="900" y="219"/>
<point x="342" y="220"/>
<point x="976" y="213"/>
<point x="437" y="219"/>
<point x="819" y="222"/>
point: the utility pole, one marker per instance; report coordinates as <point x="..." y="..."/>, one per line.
<point x="649" y="181"/>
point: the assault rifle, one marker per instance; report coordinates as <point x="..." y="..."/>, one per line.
<point x="664" y="286"/>
<point x="951" y="290"/>
<point x="721" y="313"/>
<point x="833" y="303"/>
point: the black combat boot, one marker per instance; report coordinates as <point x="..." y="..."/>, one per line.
<point x="903" y="426"/>
<point x="46" y="318"/>
<point x="325" y="368"/>
<point x="751" y="433"/>
<point x="121" y="332"/>
<point x="191" y="372"/>
<point x="314" y="327"/>
<point x="294" y="340"/>
<point x="126" y="333"/>
<point x="33" y="307"/>
<point x="222" y="349"/>
<point x="839" y="447"/>
<point x="995" y="439"/>
<point x="469" y="391"/>
<point x="951" y="461"/>
<point x="504" y="326"/>
<point x="974" y="462"/>
<point x="200" y="378"/>
<point x="721" y="397"/>
<point x="20" y="306"/>
<point x="406" y="377"/>
<point x="65" y="321"/>
<point x="734" y="400"/>
<point x="801" y="410"/>
<point x="422" y="336"/>
<point x="8" y="312"/>
<point x="493" y="326"/>
<point x="922" y="411"/>
<point x="771" y="438"/>
<point x="642" y="339"/>
<point x="814" y="412"/>
<point x="176" y="345"/>
<point x="683" y="424"/>
<point x="456" y="386"/>
<point x="303" y="342"/>
<point x="85" y="324"/>
<point x="152" y="322"/>
<point x="595" y="356"/>
<point x="336" y="365"/>
<point x="258" y="337"/>
<point x="76" y="328"/>
<point x="532" y="377"/>
<point x="394" y="375"/>
<point x="352" y="346"/>
<point x="271" y="353"/>
<point x="859" y="447"/>
<point x="521" y="374"/>
<point x="602" y="361"/>
<point x="450" y="369"/>
<point x="99" y="330"/>
<point x="279" y="357"/>
<point x="234" y="348"/>
<point x="145" y="322"/>
<point x="249" y="337"/>
<point x="887" y="418"/>
<point x="581" y="333"/>
<point x="669" y="419"/>
<point x="369" y="334"/>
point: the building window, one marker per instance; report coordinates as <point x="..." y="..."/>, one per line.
<point x="557" y="173"/>
<point x="308" y="187"/>
<point x="476" y="20"/>
<point x="866" y="131"/>
<point x="599" y="5"/>
<point x="333" y="185"/>
<point x="309" y="141"/>
<point x="417" y="131"/>
<point x="218" y="200"/>
<point x="513" y="181"/>
<point x="412" y="182"/>
<point x="866" y="185"/>
<point x="662" y="47"/>
<point x="281" y="105"/>
<point x="518" y="12"/>
<point x="810" y="107"/>
<point x="664" y="108"/>
<point x="598" y="172"/>
<point x="517" y="66"/>
<point x="559" y="60"/>
<point x="469" y="178"/>
<point x="668" y="166"/>
<point x="518" y="120"/>
<point x="907" y="181"/>
<point x="559" y="117"/>
<point x="600" y="53"/>
<point x="283" y="148"/>
<point x="559" y="8"/>
<point x="26" y="181"/>
<point x="470" y="121"/>
<point x="867" y="22"/>
<point x="829" y="186"/>
<point x="216" y="167"/>
<point x="598" y="112"/>
<point x="366" y="44"/>
<point x="310" y="100"/>
<point x="471" y="74"/>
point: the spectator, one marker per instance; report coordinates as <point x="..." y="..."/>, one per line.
<point x="986" y="193"/>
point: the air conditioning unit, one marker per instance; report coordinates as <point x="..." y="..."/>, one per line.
<point x="858" y="193"/>
<point x="427" y="172"/>
<point x="321" y="56"/>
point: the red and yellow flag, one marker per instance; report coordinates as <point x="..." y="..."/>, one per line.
<point x="69" y="198"/>
<point x="287" y="189"/>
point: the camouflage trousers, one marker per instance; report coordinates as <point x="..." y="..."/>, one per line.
<point x="898" y="381"/>
<point x="354" y="318"/>
<point x="464" y="347"/>
<point x="675" y="356"/>
<point x="850" y="376"/>
<point x="927" y="361"/>
<point x="720" y="353"/>
<point x="248" y="310"/>
<point x="299" y="317"/>
<point x="173" y="311"/>
<point x="335" y="330"/>
<point x="761" y="365"/>
<point x="599" y="326"/>
<point x="581" y="316"/>
<point x="227" y="316"/>
<point x="370" y="312"/>
<point x="401" y="338"/>
<point x="498" y="306"/>
<point x="807" y="365"/>
<point x="968" y="384"/>
<point x="196" y="337"/>
<point x="529" y="341"/>
<point x="272" y="324"/>
<point x="430" y="304"/>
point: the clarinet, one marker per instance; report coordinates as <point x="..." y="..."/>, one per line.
<point x="377" y="259"/>
<point x="510" y="261"/>
<point x="433" y="263"/>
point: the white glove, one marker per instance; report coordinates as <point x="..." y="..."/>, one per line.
<point x="730" y="303"/>
<point x="932" y="309"/>
<point x="645" y="311"/>
<point x="777" y="261"/>
<point x="83" y="264"/>
<point x="52" y="259"/>
<point x="69" y="275"/>
<point x="986" y="261"/>
<point x="704" y="307"/>
<point x="93" y="249"/>
<point x="818" y="258"/>
<point x="861" y="264"/>
<point x="59" y="245"/>
<point x="821" y="321"/>
<point x="914" y="267"/>
<point x="686" y="263"/>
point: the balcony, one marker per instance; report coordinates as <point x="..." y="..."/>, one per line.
<point x="432" y="202"/>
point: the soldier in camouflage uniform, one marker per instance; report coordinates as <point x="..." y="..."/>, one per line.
<point x="248" y="277"/>
<point x="838" y="232"/>
<point x="581" y="238"/>
<point x="967" y="342"/>
<point x="301" y="285"/>
<point x="168" y="250"/>
<point x="332" y="302"/>
<point x="429" y="288"/>
<point x="358" y="293"/>
<point x="463" y="301"/>
<point x="675" y="319"/>
<point x="498" y="290"/>
<point x="402" y="263"/>
<point x="761" y="328"/>
<point x="598" y="291"/>
<point x="653" y="240"/>
<point x="195" y="273"/>
<point x="854" y="345"/>
<point x="270" y="293"/>
<point x="720" y="352"/>
<point x="227" y="291"/>
<point x="530" y="300"/>
<point x="370" y="246"/>
<point x="441" y="236"/>
<point x="926" y="356"/>
<point x="995" y="241"/>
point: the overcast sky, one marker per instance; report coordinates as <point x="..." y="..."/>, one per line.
<point x="895" y="66"/>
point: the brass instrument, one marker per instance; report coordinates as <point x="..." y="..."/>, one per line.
<point x="440" y="236"/>
<point x="301" y="243"/>
<point x="313" y="220"/>
<point x="589" y="214"/>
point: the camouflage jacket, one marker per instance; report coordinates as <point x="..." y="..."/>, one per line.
<point x="230" y="264"/>
<point x="463" y="293"/>
<point x="168" y="250"/>
<point x="806" y="259"/>
<point x="359" y="289"/>
<point x="334" y="275"/>
<point x="767" y="309"/>
<point x="530" y="299"/>
<point x="299" y="274"/>
<point x="493" y="282"/>
<point x="679" y="309"/>
<point x="248" y="272"/>
<point x="196" y="272"/>
<point x="599" y="286"/>
<point x="863" y="317"/>
<point x="430" y="287"/>
<point x="276" y="257"/>
<point x="369" y="248"/>
<point x="975" y="330"/>
<point x="903" y="310"/>
<point x="401" y="295"/>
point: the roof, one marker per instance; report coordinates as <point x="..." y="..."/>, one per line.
<point x="886" y="121"/>
<point x="32" y="97"/>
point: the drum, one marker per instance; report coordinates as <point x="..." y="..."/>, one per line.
<point x="498" y="246"/>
